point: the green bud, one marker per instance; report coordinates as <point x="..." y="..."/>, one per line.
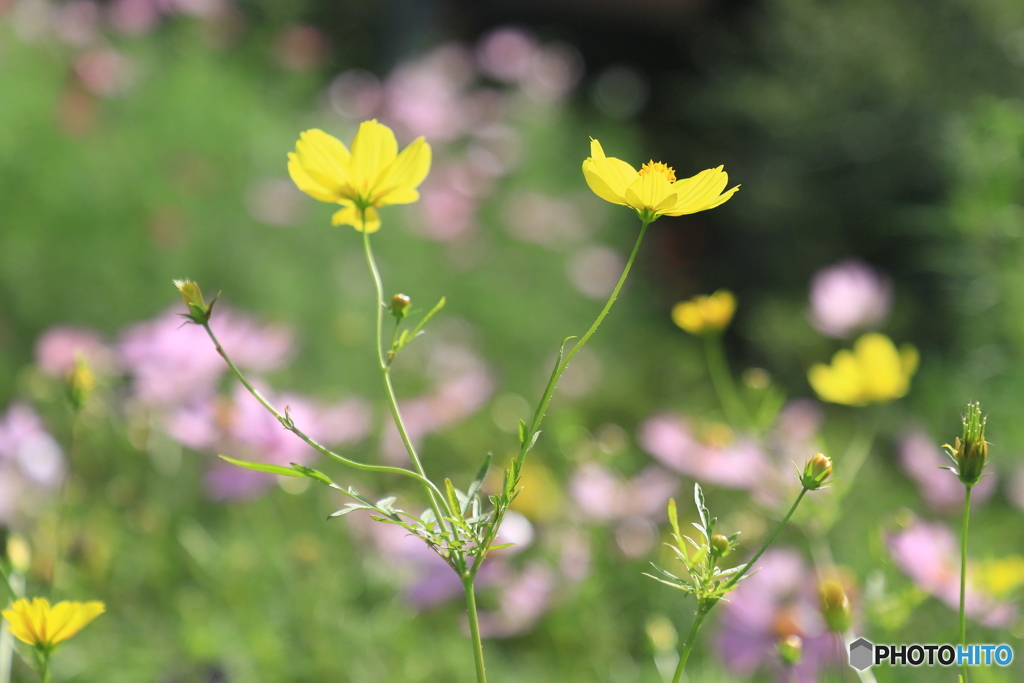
<point x="835" y="606"/>
<point x="720" y="546"/>
<point x="400" y="305"/>
<point x="816" y="472"/>
<point x="791" y="649"/>
<point x="969" y="451"/>
<point x="198" y="311"/>
<point x="80" y="382"/>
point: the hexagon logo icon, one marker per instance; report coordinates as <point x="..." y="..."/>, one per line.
<point x="861" y="654"/>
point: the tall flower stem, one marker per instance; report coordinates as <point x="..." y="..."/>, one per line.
<point x="702" y="611"/>
<point x="436" y="499"/>
<point x="764" y="546"/>
<point x="963" y="577"/>
<point x="474" y="626"/>
<point x="563" y="362"/>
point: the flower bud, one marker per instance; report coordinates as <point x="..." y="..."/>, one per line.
<point x="969" y="452"/>
<point x="835" y="606"/>
<point x="791" y="649"/>
<point x="198" y="311"/>
<point x="19" y="555"/>
<point x="817" y="470"/>
<point x="400" y="305"/>
<point x="720" y="546"/>
<point x="80" y="382"/>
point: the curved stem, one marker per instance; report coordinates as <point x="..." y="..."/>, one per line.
<point x="288" y="424"/>
<point x="963" y="578"/>
<point x="562" y="363"/>
<point x="723" y="382"/>
<point x="764" y="546"/>
<point x="474" y="628"/>
<point x="436" y="499"/>
<point x="690" y="639"/>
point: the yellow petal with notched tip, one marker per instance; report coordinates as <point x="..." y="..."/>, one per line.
<point x="598" y="185"/>
<point x="350" y="215"/>
<point x="399" y="181"/>
<point x="374" y="148"/>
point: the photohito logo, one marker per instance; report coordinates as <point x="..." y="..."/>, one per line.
<point x="864" y="653"/>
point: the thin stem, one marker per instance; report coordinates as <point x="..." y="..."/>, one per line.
<point x="764" y="546"/>
<point x="690" y="640"/>
<point x="288" y="424"/>
<point x="474" y="628"/>
<point x="963" y="577"/>
<point x="436" y="499"/>
<point x="723" y="382"/>
<point x="563" y="363"/>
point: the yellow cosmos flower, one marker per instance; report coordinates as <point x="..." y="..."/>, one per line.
<point x="43" y="626"/>
<point x="874" y="372"/>
<point x="372" y="175"/>
<point x="653" y="190"/>
<point x="703" y="314"/>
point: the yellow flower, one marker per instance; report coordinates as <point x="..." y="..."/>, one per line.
<point x="653" y="190"/>
<point x="703" y="314"/>
<point x="42" y="626"/>
<point x="372" y="175"/>
<point x="873" y="372"/>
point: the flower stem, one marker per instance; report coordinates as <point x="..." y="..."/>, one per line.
<point x="288" y="424"/>
<point x="563" y="363"/>
<point x="764" y="546"/>
<point x="474" y="627"/>
<point x="963" y="578"/>
<point x="690" y="639"/>
<point x="436" y="499"/>
<point x="723" y="382"/>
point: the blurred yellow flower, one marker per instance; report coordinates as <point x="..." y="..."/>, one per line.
<point x="705" y="313"/>
<point x="43" y="626"/>
<point x="653" y="190"/>
<point x="874" y="372"/>
<point x="372" y="175"/>
<point x="999" y="577"/>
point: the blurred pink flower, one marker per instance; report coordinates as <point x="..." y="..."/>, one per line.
<point x="427" y="96"/>
<point x="523" y="598"/>
<point x="553" y="72"/>
<point x="849" y="296"/>
<point x="172" y="363"/>
<point x="245" y="430"/>
<point x="355" y="94"/>
<point x="465" y="388"/>
<point x="921" y="459"/>
<point x="738" y="464"/>
<point x="58" y="347"/>
<point x="549" y="221"/>
<point x="301" y="47"/>
<point x="447" y="206"/>
<point x="133" y="17"/>
<point x="778" y="600"/>
<point x="104" y="71"/>
<point x="929" y="554"/>
<point x="77" y="22"/>
<point x="505" y="54"/>
<point x="31" y="463"/>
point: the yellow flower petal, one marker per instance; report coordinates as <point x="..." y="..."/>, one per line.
<point x="307" y="184"/>
<point x="374" y="148"/>
<point x="880" y="367"/>
<point x="325" y="159"/>
<point x="68" y="618"/>
<point x="400" y="180"/>
<point x="872" y="372"/>
<point x="648" y="191"/>
<point x="39" y="625"/>
<point x="350" y="215"/>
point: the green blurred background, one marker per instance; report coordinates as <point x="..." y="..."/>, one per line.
<point x="145" y="140"/>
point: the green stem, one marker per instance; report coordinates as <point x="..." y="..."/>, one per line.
<point x="690" y="640"/>
<point x="288" y="424"/>
<point x="764" y="546"/>
<point x="474" y="628"/>
<point x="563" y="363"/>
<point x="436" y="499"/>
<point x="723" y="382"/>
<point x="963" y="577"/>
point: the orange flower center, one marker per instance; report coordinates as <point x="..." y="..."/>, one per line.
<point x="653" y="166"/>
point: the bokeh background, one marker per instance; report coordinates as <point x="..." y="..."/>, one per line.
<point x="879" y="146"/>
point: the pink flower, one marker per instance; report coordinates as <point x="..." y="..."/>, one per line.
<point x="849" y="296"/>
<point x="930" y="555"/>
<point x="778" y="600"/>
<point x="921" y="459"/>
<point x="58" y="347"/>
<point x="737" y="464"/>
<point x="31" y="463"/>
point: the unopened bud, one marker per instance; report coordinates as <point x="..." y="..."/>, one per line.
<point x="969" y="452"/>
<point x="198" y="311"/>
<point x="817" y="470"/>
<point x="18" y="554"/>
<point x="835" y="606"/>
<point x="720" y="546"/>
<point x="791" y="649"/>
<point x="80" y="382"/>
<point x="400" y="305"/>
